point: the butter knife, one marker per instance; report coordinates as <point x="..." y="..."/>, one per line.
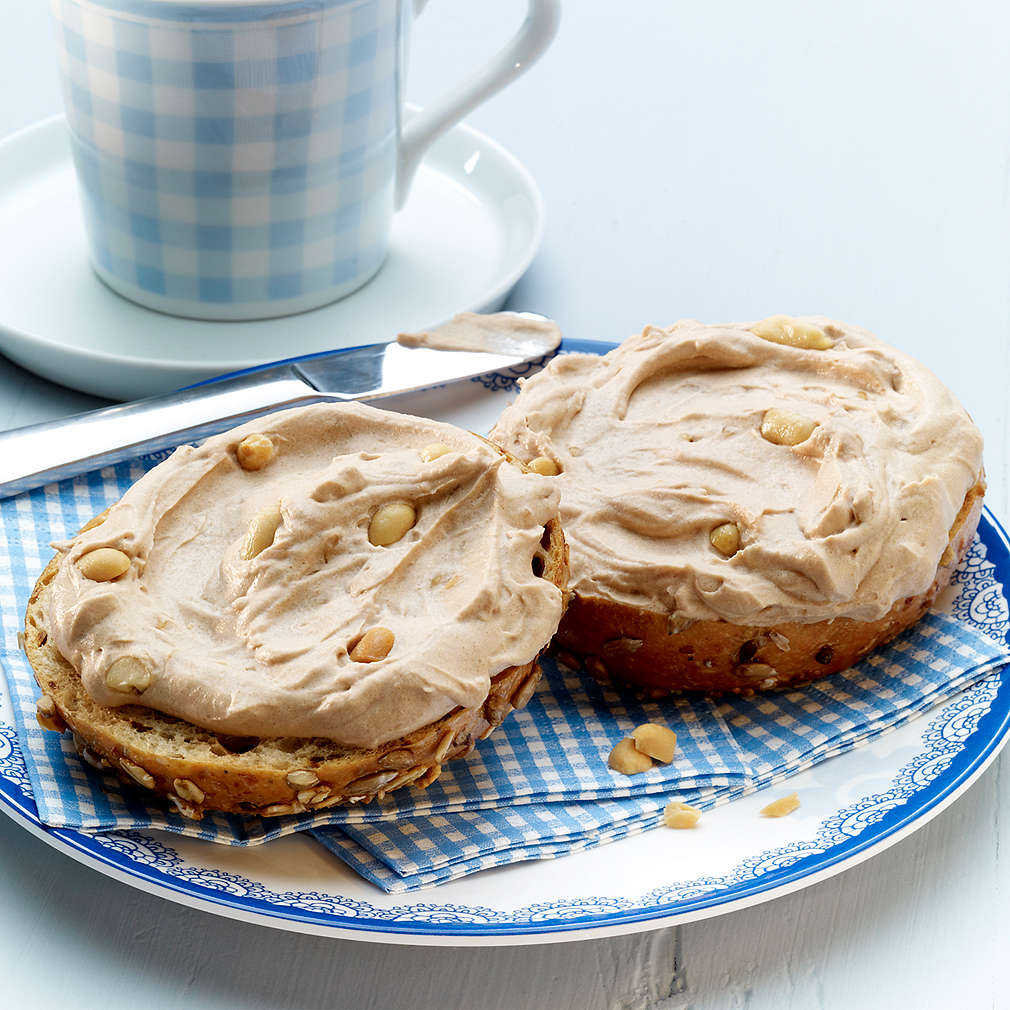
<point x="40" y="453"/>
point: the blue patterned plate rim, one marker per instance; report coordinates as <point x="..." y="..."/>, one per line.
<point x="149" y="862"/>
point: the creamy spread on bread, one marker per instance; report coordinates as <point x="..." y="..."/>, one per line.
<point x="497" y="333"/>
<point x="242" y="634"/>
<point x="713" y="473"/>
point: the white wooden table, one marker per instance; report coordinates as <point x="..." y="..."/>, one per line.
<point x="722" y="161"/>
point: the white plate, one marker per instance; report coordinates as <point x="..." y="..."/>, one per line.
<point x="852" y="807"/>
<point x="470" y="229"/>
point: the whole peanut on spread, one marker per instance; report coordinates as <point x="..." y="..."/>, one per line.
<point x="792" y="333"/>
<point x="783" y="427"/>
<point x="373" y="645"/>
<point x="545" y="466"/>
<point x="103" y="564"/>
<point x="627" y="759"/>
<point x="725" y="538"/>
<point x="680" y="815"/>
<point x="782" y="806"/>
<point x="255" y="451"/>
<point x="657" y="741"/>
<point x="390" y="523"/>
<point x="128" y="676"/>
<point x="261" y="532"/>
<point x="433" y="450"/>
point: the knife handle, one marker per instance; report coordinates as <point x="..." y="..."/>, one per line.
<point x="52" y="450"/>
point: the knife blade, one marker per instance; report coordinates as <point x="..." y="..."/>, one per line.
<point x="40" y="453"/>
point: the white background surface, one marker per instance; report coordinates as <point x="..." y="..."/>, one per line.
<point x="722" y="161"/>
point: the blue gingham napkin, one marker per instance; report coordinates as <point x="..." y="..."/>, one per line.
<point x="537" y="788"/>
<point x="776" y="735"/>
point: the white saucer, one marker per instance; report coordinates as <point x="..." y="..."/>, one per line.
<point x="470" y="229"/>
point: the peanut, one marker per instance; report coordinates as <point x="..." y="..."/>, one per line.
<point x="627" y="759"/>
<point x="783" y="427"/>
<point x="260" y="534"/>
<point x="255" y="451"/>
<point x="374" y="644"/>
<point x="725" y="538"/>
<point x="545" y="466"/>
<point x="390" y="523"/>
<point x="433" y="450"/>
<point x="128" y="675"/>
<point x="103" y="564"/>
<point x="656" y="741"/>
<point x="792" y="333"/>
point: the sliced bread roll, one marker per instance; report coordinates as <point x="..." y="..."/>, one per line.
<point x="748" y="506"/>
<point x="387" y="614"/>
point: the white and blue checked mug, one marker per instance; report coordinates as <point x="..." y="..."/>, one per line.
<point x="242" y="159"/>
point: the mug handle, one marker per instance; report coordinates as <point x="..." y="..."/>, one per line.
<point x="525" y="48"/>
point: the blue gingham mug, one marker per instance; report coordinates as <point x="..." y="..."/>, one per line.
<point x="242" y="159"/>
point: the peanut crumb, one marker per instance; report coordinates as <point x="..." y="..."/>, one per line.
<point x="782" y="806"/>
<point x="627" y="759"/>
<point x="680" y="815"/>
<point x="657" y="741"/>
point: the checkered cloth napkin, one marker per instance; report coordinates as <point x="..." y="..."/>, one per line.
<point x="537" y="788"/>
<point x="775" y="736"/>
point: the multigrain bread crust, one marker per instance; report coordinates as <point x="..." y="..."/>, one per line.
<point x="199" y="770"/>
<point x="659" y="653"/>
